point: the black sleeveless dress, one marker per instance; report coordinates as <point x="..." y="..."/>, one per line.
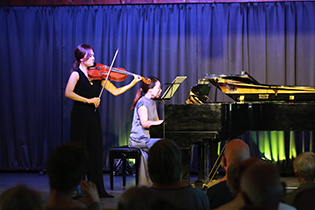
<point x="86" y="129"/>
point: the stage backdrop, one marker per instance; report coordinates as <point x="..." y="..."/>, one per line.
<point x="274" y="42"/>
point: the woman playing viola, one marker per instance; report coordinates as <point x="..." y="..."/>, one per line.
<point x="85" y="117"/>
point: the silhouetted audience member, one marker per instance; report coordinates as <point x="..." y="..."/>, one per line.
<point x="164" y="164"/>
<point x="66" y="169"/>
<point x="20" y="197"/>
<point x="261" y="187"/>
<point x="136" y="198"/>
<point x="304" y="170"/>
<point x="305" y="199"/>
<point x="140" y="198"/>
<point x="252" y="208"/>
<point x="235" y="172"/>
<point x="235" y="152"/>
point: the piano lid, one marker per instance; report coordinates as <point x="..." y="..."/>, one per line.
<point x="244" y="88"/>
<point x="199" y="94"/>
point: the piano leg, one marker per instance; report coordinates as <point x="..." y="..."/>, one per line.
<point x="186" y="153"/>
<point x="213" y="146"/>
<point x="207" y="150"/>
<point x="202" y="164"/>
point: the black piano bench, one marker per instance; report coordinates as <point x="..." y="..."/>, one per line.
<point x="123" y="153"/>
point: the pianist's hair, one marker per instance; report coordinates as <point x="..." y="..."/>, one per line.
<point x="144" y="88"/>
<point x="164" y="162"/>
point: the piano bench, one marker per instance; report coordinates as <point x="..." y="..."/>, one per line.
<point x="123" y="153"/>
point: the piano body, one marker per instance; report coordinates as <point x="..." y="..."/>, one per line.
<point x="206" y="123"/>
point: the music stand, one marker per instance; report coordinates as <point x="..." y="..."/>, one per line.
<point x="170" y="91"/>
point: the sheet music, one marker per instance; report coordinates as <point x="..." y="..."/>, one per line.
<point x="170" y="91"/>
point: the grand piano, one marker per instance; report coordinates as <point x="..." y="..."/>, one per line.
<point x="256" y="107"/>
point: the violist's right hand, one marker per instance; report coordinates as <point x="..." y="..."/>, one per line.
<point x="96" y="101"/>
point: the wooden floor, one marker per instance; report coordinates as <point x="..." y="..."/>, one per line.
<point x="40" y="183"/>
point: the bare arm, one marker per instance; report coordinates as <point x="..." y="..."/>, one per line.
<point x="143" y="114"/>
<point x="117" y="91"/>
<point x="69" y="92"/>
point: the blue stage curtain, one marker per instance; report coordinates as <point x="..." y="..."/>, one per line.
<point x="274" y="42"/>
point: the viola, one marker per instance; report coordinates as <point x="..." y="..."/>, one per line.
<point x="100" y="72"/>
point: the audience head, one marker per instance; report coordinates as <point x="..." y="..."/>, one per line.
<point x="261" y="186"/>
<point x="163" y="204"/>
<point x="136" y="198"/>
<point x="67" y="166"/>
<point x="235" y="172"/>
<point x="139" y="198"/>
<point x="164" y="162"/>
<point x="236" y="151"/>
<point x="20" y="197"/>
<point x="304" y="166"/>
<point x="253" y="208"/>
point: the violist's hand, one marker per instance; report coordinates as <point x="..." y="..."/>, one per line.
<point x="96" y="101"/>
<point x="137" y="78"/>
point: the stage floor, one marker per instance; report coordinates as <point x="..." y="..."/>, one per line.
<point x="40" y="183"/>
